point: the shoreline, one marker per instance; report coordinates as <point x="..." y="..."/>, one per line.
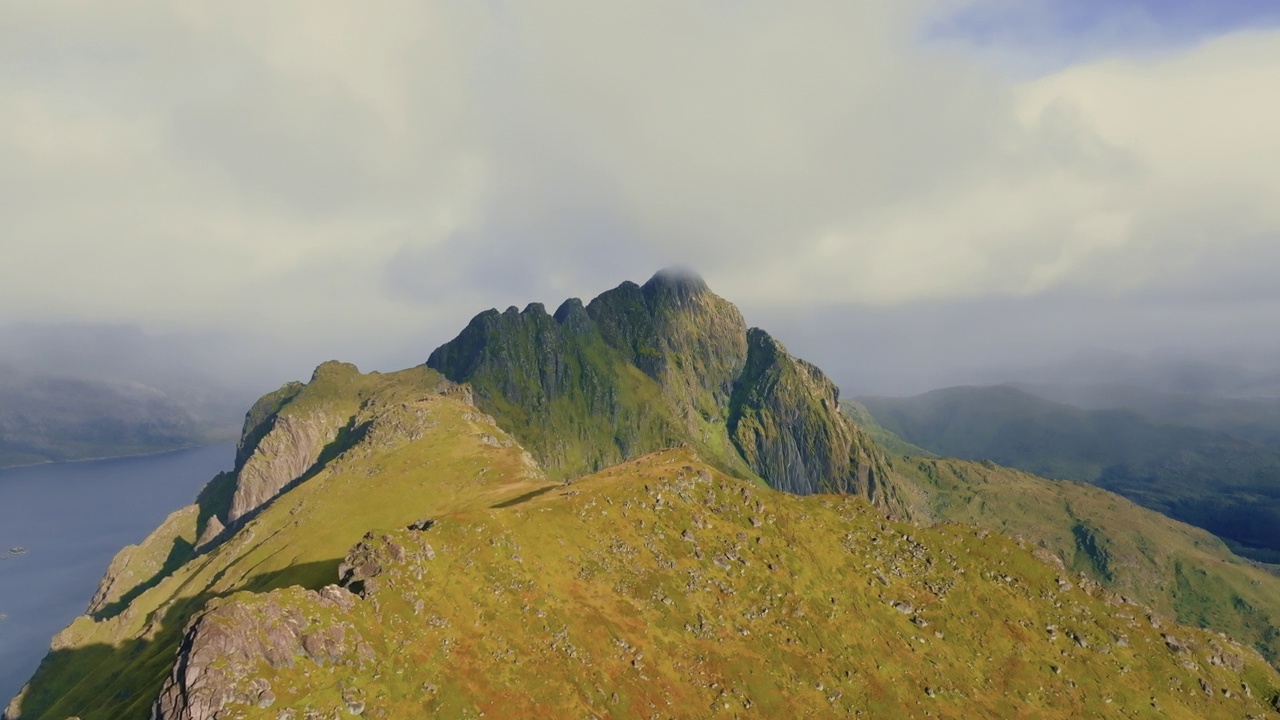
<point x="116" y="457"/>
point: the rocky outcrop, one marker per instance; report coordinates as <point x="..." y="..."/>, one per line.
<point x="786" y="421"/>
<point x="291" y="432"/>
<point x="137" y="566"/>
<point x="223" y="647"/>
<point x="284" y="454"/>
<point x="646" y="367"/>
<point x="581" y="388"/>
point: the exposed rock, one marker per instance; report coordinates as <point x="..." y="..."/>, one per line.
<point x="704" y="379"/>
<point x="423" y="524"/>
<point x="213" y="529"/>
<point x="288" y="450"/>
<point x="785" y="419"/>
<point x="14" y="709"/>
<point x="228" y="641"/>
<point x="364" y="562"/>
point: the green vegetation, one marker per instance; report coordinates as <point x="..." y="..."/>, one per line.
<point x="648" y="572"/>
<point x="1227" y="485"/>
<point x="1181" y="571"/>
<point x="661" y="587"/>
<point x="669" y="363"/>
<point x="421" y="454"/>
<point x="892" y="444"/>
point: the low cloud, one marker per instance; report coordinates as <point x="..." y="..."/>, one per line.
<point x="339" y="178"/>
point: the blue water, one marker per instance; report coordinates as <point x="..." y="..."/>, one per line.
<point x="72" y="518"/>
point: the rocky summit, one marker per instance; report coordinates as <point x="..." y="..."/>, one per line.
<point x="638" y="508"/>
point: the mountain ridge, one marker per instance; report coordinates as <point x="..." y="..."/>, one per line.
<point x="454" y="507"/>
<point x="643" y="367"/>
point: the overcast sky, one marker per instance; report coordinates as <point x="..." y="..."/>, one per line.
<point x="892" y="188"/>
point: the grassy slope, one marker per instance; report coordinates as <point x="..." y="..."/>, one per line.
<point x="1224" y="484"/>
<point x="892" y="444"/>
<point x="1178" y="569"/>
<point x="661" y="588"/>
<point x="1181" y="570"/>
<point x="425" y="455"/>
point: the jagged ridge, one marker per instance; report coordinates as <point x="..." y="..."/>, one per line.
<point x="643" y="368"/>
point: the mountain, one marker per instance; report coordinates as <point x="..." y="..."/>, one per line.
<point x="1181" y="571"/>
<point x="79" y="391"/>
<point x="663" y="587"/>
<point x="439" y="541"/>
<point x="641" y="368"/>
<point x="1256" y="419"/>
<point x="51" y="418"/>
<point x="374" y="451"/>
<point x="1224" y="484"/>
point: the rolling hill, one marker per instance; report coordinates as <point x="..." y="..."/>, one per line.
<point x="1225" y="484"/>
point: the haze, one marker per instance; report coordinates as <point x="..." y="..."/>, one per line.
<point x="908" y="193"/>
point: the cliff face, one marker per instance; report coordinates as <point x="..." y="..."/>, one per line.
<point x="291" y="432"/>
<point x="660" y="582"/>
<point x="785" y="420"/>
<point x="646" y="367"/>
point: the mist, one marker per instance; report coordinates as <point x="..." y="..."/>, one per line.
<point x="909" y="194"/>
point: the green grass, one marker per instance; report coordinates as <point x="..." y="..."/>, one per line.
<point x="647" y="368"/>
<point x="664" y="587"/>
<point x="1227" y="485"/>
<point x="113" y="668"/>
<point x="1180" y="570"/>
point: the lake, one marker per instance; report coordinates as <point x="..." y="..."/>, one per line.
<point x="72" y="518"/>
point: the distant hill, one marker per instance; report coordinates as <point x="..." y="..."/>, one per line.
<point x="46" y="418"/>
<point x="1225" y="484"/>
<point x="1255" y="418"/>
<point x="78" y="391"/>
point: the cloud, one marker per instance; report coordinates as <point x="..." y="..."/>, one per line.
<point x="339" y="176"/>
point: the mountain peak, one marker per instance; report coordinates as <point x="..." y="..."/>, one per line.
<point x="682" y="282"/>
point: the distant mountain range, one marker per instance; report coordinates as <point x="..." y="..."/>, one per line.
<point x="640" y="507"/>
<point x="47" y="418"/>
<point x="72" y="392"/>
<point x="1211" y="462"/>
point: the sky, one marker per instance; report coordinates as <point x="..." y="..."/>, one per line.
<point x="896" y="190"/>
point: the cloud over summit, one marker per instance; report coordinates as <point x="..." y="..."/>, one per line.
<point x="306" y="169"/>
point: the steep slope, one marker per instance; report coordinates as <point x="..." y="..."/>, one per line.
<point x="781" y="420"/>
<point x="664" y="588"/>
<point x="642" y="368"/>
<point x="416" y="447"/>
<point x="1224" y="484"/>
